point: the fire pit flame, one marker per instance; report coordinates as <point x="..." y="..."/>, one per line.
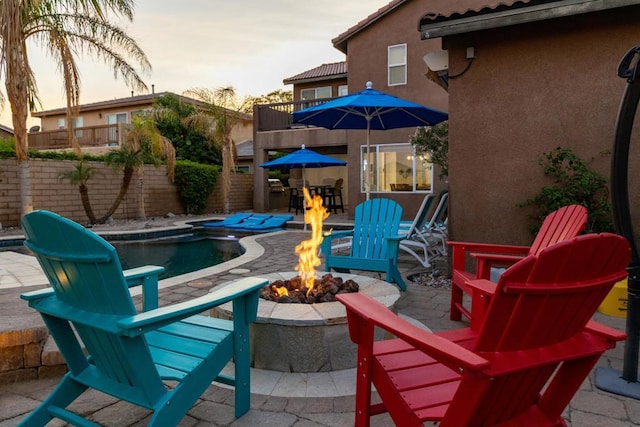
<point x="307" y="251"/>
<point x="306" y="287"/>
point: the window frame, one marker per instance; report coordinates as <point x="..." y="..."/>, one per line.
<point x="315" y="93"/>
<point x="419" y="164"/>
<point x="391" y="65"/>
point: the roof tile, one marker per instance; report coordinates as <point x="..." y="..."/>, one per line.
<point x="336" y="69"/>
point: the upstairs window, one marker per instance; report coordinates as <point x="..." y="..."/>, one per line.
<point x="315" y="93"/>
<point x="397" y="64"/>
<point x="61" y="124"/>
<point x="343" y="90"/>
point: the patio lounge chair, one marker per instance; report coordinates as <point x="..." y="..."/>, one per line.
<point x="521" y="368"/>
<point x="562" y="224"/>
<point x="374" y="243"/>
<point x="129" y="355"/>
<point x="426" y="239"/>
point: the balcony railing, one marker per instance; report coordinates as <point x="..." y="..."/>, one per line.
<point x="90" y="136"/>
<point x="279" y="116"/>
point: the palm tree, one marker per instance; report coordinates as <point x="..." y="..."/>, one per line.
<point x="79" y="176"/>
<point x="144" y="144"/>
<point x="224" y="110"/>
<point x="65" y="28"/>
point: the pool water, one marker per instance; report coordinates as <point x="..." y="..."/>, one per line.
<point x="179" y="255"/>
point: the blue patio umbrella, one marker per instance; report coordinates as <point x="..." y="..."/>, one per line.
<point x="303" y="158"/>
<point x="369" y="109"/>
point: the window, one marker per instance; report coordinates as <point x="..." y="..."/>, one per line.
<point x="395" y="167"/>
<point x="397" y="62"/>
<point x="77" y="122"/>
<point x="112" y="131"/>
<point x="60" y="123"/>
<point x="343" y="90"/>
<point x="112" y="119"/>
<point x="315" y="93"/>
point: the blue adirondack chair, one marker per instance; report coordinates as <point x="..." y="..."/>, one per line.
<point x="375" y="240"/>
<point x="130" y="354"/>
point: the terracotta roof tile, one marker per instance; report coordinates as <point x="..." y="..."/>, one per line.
<point x="324" y="71"/>
<point x="442" y="8"/>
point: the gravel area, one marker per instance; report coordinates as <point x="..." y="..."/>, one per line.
<point x="437" y="277"/>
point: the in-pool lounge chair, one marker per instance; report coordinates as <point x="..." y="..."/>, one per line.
<point x="275" y="222"/>
<point x="253" y="220"/>
<point x="234" y="219"/>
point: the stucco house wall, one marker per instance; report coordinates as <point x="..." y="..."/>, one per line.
<point x="531" y="88"/>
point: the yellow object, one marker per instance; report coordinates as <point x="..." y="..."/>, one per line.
<point x="615" y="304"/>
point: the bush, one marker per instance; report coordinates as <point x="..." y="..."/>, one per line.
<point x="572" y="183"/>
<point x="195" y="183"/>
<point x="434" y="142"/>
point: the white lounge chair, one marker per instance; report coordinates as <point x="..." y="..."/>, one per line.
<point x="426" y="239"/>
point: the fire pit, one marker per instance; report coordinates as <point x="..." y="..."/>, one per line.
<point x="311" y="337"/>
<point x="307" y="337"/>
<point x="294" y="290"/>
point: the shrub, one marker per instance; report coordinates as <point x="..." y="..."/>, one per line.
<point x="573" y="182"/>
<point x="434" y="142"/>
<point x="195" y="183"/>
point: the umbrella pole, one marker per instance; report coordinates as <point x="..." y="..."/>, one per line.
<point x="368" y="177"/>
<point x="304" y="200"/>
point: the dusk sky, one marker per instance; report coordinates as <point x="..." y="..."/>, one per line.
<point x="249" y="44"/>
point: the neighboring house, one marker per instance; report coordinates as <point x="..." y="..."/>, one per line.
<point x="384" y="48"/>
<point x="544" y="76"/>
<point x="244" y="156"/>
<point x="103" y="124"/>
<point x="6" y="132"/>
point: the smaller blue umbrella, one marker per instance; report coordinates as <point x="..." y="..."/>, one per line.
<point x="303" y="158"/>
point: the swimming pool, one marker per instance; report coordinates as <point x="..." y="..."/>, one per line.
<point x="178" y="254"/>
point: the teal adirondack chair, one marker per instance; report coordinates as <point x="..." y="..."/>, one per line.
<point x="130" y="354"/>
<point x="375" y="240"/>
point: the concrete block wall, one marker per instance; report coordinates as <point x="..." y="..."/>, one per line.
<point x="51" y="193"/>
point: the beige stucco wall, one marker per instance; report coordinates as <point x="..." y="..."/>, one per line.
<point x="530" y="89"/>
<point x="63" y="197"/>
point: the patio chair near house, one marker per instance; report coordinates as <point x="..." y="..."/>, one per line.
<point x="533" y="352"/>
<point x="427" y="238"/>
<point x="374" y="241"/>
<point x="130" y="354"/>
<point x="333" y="197"/>
<point x="562" y="224"/>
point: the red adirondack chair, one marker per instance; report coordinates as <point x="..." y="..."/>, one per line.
<point x="562" y="224"/>
<point x="523" y="366"/>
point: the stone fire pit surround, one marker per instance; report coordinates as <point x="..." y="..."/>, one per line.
<point x="307" y="337"/>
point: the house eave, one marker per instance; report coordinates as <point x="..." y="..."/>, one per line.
<point x="541" y="12"/>
<point x="315" y="79"/>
